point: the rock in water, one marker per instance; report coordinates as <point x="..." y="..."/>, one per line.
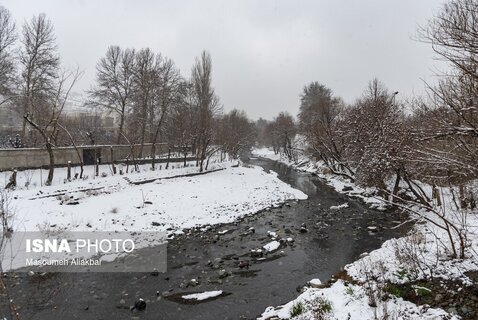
<point x="140" y="304"/>
<point x="223" y="273"/>
<point x="193" y="283"/>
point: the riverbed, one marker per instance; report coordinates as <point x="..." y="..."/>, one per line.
<point x="322" y="240"/>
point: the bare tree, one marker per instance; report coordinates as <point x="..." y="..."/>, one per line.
<point x="236" y="133"/>
<point x="7" y="40"/>
<point x="114" y="84"/>
<point x="374" y="136"/>
<point x="283" y="131"/>
<point x="208" y="105"/>
<point x="77" y="150"/>
<point x="263" y="138"/>
<point x="166" y="95"/>
<point x="453" y="34"/>
<point x="178" y="126"/>
<point x="144" y="82"/>
<point x="446" y="133"/>
<point x="319" y="119"/>
<point x="39" y="66"/>
<point x="48" y="123"/>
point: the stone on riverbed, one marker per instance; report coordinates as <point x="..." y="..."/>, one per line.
<point x="372" y="229"/>
<point x="272" y="246"/>
<point x="303" y="230"/>
<point x="315" y="283"/>
<point x="272" y="234"/>
<point x="223" y="273"/>
<point x="140" y="304"/>
<point x="256" y="253"/>
<point x="193" y="283"/>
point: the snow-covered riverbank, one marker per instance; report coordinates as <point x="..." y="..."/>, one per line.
<point x="418" y="259"/>
<point x="112" y="203"/>
<point x="170" y="201"/>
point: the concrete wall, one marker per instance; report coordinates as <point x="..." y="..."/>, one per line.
<point x="38" y="157"/>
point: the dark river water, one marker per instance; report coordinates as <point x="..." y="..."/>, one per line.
<point x="334" y="238"/>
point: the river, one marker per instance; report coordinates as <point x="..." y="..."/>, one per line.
<point x="334" y="238"/>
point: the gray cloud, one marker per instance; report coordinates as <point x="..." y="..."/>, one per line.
<point x="264" y="51"/>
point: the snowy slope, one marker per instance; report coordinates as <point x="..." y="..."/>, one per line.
<point x="115" y="204"/>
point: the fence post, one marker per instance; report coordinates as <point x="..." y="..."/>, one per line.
<point x="112" y="160"/>
<point x="68" y="171"/>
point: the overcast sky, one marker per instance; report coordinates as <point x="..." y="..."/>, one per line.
<point x="263" y="51"/>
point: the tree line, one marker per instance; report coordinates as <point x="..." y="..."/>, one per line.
<point x="143" y="90"/>
<point x="378" y="139"/>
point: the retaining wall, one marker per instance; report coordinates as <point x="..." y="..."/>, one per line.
<point x="25" y="158"/>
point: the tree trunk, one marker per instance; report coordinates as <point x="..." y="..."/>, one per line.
<point x="143" y="132"/>
<point x="112" y="160"/>
<point x="120" y="132"/>
<point x="26" y="110"/>
<point x="201" y="159"/>
<point x="153" y="155"/>
<point x="207" y="163"/>
<point x="169" y="158"/>
<point x="202" y="156"/>
<point x="68" y="171"/>
<point x="51" y="166"/>
<point x="396" y="187"/>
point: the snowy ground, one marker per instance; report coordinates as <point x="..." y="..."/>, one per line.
<point x="113" y="203"/>
<point x="423" y="254"/>
<point x="349" y="301"/>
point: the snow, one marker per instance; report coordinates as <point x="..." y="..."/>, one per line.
<point x="203" y="295"/>
<point x="272" y="246"/>
<point x="342" y="206"/>
<point x="268" y="153"/>
<point x="32" y="179"/>
<point x="272" y="234"/>
<point x="422" y="254"/>
<point x="388" y="262"/>
<point x="257" y="251"/>
<point x="112" y="203"/>
<point x="178" y="203"/>
<point x="351" y="302"/>
<point x="315" y="282"/>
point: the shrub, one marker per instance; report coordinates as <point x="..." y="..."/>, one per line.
<point x="321" y="307"/>
<point x="297" y="309"/>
